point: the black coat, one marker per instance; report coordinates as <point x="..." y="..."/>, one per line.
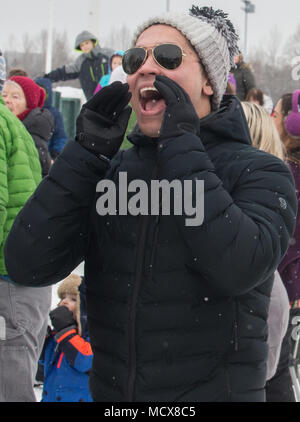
<point x="245" y="80"/>
<point x="175" y="313"/>
<point x="40" y="125"/>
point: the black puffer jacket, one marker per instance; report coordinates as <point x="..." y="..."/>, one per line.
<point x="40" y="125"/>
<point x="175" y="313"/>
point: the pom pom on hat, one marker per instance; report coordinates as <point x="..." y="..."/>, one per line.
<point x="213" y="37"/>
<point x="34" y="94"/>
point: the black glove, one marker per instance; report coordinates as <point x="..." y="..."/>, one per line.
<point x="103" y="120"/>
<point x="180" y="115"/>
<point x="61" y="317"/>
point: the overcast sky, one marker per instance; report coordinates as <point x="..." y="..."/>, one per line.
<point x="31" y="16"/>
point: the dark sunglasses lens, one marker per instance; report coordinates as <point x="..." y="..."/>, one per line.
<point x="133" y="59"/>
<point x="168" y="56"/>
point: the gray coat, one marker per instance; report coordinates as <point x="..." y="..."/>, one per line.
<point x="278" y="320"/>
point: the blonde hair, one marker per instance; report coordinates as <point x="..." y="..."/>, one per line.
<point x="263" y="132"/>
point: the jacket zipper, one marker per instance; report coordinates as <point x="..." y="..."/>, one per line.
<point x="154" y="244"/>
<point x="235" y="328"/>
<point x="132" y="315"/>
<point x="228" y="384"/>
<point x="135" y="294"/>
<point x="92" y="74"/>
<point x="235" y="343"/>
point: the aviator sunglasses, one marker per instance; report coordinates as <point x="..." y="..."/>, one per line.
<point x="168" y="56"/>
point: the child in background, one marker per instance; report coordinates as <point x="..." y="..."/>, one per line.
<point x="67" y="355"/>
<point x="115" y="61"/>
<point x="89" y="67"/>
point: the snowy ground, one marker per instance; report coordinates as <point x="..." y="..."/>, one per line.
<point x="55" y="299"/>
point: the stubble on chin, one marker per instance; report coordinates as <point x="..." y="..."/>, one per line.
<point x="151" y="127"/>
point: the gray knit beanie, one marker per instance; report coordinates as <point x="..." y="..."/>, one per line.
<point x="213" y="37"/>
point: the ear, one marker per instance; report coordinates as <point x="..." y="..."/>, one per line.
<point x="207" y="88"/>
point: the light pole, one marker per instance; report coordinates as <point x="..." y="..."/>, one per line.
<point x="48" y="64"/>
<point x="94" y="17"/>
<point x="249" y="8"/>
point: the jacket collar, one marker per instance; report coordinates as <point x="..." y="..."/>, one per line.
<point x="136" y="137"/>
<point x="227" y="124"/>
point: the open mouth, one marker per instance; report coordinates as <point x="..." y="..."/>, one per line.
<point x="151" y="101"/>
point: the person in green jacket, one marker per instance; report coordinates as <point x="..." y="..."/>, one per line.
<point x="23" y="310"/>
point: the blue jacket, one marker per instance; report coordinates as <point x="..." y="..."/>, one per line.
<point x="59" y="138"/>
<point x="67" y="360"/>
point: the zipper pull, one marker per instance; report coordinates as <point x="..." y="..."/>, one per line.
<point x="55" y="355"/>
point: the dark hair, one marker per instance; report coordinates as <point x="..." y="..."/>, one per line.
<point x="286" y="103"/>
<point x="255" y="94"/>
<point x="291" y="143"/>
<point x="16" y="71"/>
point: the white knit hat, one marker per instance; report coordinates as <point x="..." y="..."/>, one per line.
<point x="213" y="37"/>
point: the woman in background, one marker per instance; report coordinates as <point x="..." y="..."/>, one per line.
<point x="265" y="137"/>
<point x="25" y="100"/>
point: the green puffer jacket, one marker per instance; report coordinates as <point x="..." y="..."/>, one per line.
<point x="20" y="172"/>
